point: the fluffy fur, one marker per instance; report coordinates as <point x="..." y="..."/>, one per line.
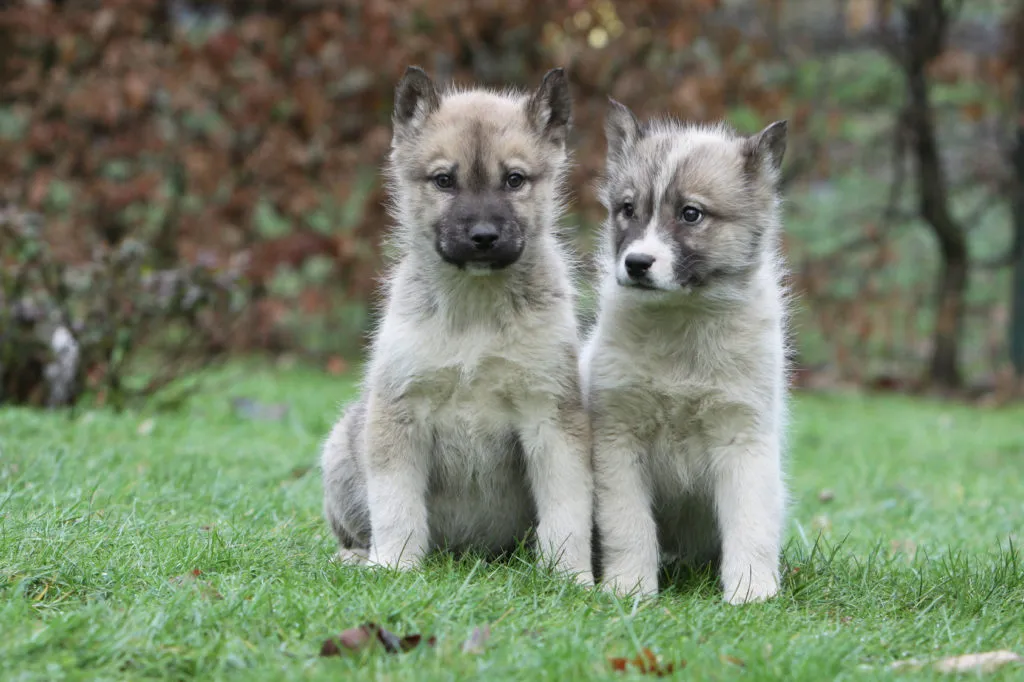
<point x="685" y="372"/>
<point x="470" y="432"/>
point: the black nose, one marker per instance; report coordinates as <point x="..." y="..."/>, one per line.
<point x="637" y="265"/>
<point x="483" y="235"/>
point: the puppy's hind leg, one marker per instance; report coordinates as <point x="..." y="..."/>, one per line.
<point x="349" y="550"/>
<point x="345" y="486"/>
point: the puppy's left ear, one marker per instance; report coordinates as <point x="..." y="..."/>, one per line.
<point x="766" y="148"/>
<point x="550" y="108"/>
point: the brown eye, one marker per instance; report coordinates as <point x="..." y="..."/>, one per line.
<point x="444" y="181"/>
<point x="628" y="210"/>
<point x="692" y="215"/>
<point x="515" y="180"/>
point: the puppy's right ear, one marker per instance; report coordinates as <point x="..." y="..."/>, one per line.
<point x="622" y="129"/>
<point x="416" y="98"/>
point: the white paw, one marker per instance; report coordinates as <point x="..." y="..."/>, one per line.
<point x="750" y="587"/>
<point x="399" y="563"/>
<point x="580" y="572"/>
<point x="625" y="587"/>
<point x="352" y="557"/>
<point x="584" y="578"/>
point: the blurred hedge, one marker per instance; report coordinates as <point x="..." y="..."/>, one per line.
<point x="251" y="133"/>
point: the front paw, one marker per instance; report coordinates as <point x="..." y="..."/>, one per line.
<point x="578" y="572"/>
<point x="622" y="586"/>
<point x="750" y="586"/>
<point x="584" y="578"/>
<point x="402" y="562"/>
<point x="355" y="556"/>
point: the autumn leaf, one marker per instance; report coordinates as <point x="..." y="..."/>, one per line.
<point x="733" y="660"/>
<point x="986" y="662"/>
<point x="193" y="579"/>
<point x="647" y="663"/>
<point x="370" y="635"/>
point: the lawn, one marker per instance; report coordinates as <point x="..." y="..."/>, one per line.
<point x="901" y="543"/>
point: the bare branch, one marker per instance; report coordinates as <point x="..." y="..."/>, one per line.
<point x="926" y="25"/>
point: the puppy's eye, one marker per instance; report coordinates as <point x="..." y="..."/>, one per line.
<point x="628" y="209"/>
<point x="691" y="215"/>
<point x="444" y="181"/>
<point x="515" y="180"/>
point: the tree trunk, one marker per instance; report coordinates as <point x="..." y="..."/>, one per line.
<point x="944" y="370"/>
<point x="926" y="26"/>
<point x="1017" y="293"/>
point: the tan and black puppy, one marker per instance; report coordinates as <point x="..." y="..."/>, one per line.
<point x="470" y="430"/>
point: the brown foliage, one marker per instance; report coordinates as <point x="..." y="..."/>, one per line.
<point x="113" y="325"/>
<point x="251" y="134"/>
<point x="135" y="124"/>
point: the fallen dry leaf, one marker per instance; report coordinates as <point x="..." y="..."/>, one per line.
<point x="192" y="578"/>
<point x="986" y="662"/>
<point x="733" y="660"/>
<point x="647" y="663"/>
<point x="477" y="641"/>
<point x="357" y="639"/>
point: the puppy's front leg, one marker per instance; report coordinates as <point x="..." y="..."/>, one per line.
<point x="557" y="446"/>
<point x="749" y="504"/>
<point x="397" y="463"/>
<point x="629" y="534"/>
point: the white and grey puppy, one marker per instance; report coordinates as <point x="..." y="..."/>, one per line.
<point x="685" y="370"/>
<point x="470" y="432"/>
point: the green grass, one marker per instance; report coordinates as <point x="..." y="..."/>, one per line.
<point x="96" y="519"/>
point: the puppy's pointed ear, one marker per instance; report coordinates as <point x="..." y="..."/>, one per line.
<point x="416" y="98"/>
<point x="764" y="151"/>
<point x="622" y="129"/>
<point x="550" y="108"/>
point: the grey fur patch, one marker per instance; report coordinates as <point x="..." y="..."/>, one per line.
<point x="345" y="482"/>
